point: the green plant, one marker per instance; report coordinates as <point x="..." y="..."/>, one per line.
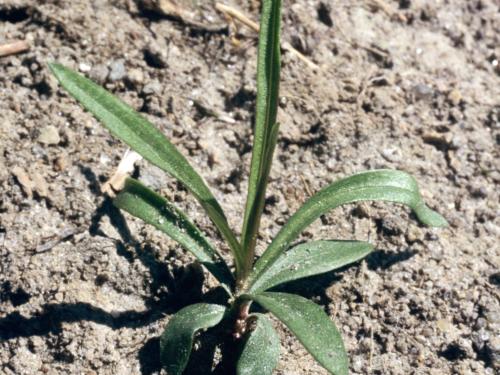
<point x="281" y="262"/>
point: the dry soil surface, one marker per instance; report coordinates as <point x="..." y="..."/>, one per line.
<point x="85" y="289"/>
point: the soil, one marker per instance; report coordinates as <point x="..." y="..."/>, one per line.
<point x="85" y="289"/>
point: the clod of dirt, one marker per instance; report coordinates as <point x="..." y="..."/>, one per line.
<point x="455" y="97"/>
<point x="152" y="88"/>
<point x="24" y="180"/>
<point x="99" y="73"/>
<point x="135" y="77"/>
<point x="49" y="135"/>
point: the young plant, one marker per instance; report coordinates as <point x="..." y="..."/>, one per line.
<point x="281" y="262"/>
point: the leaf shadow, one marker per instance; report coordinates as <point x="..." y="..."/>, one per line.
<point x="169" y="292"/>
<point x="383" y="260"/>
<point x="314" y="287"/>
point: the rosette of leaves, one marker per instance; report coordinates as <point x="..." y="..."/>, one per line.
<point x="247" y="280"/>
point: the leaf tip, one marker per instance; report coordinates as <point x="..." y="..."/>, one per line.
<point x="430" y="217"/>
<point x="57" y="70"/>
<point x="54" y="67"/>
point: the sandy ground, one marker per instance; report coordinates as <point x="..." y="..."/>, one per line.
<point x="87" y="290"/>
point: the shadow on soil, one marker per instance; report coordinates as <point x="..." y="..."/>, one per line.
<point x="316" y="285"/>
<point x="169" y="293"/>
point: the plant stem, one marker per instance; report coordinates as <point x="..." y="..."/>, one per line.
<point x="243" y="273"/>
<point x="265" y="130"/>
<point x="240" y="324"/>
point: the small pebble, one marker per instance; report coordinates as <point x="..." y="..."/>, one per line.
<point x="391" y="154"/>
<point x="152" y="88"/>
<point x="455" y="97"/>
<point x="358" y="364"/>
<point x="117" y="70"/>
<point x="291" y="132"/>
<point x="61" y="163"/>
<point x="401" y="346"/>
<point x="427" y="332"/>
<point x="40" y="185"/>
<point x="330" y="165"/>
<point x="493" y="317"/>
<point x="99" y="73"/>
<point x="444" y="325"/>
<point x="84" y="68"/>
<point x="414" y="234"/>
<point x="49" y="135"/>
<point x="422" y="92"/>
<point x="135" y="76"/>
<point x="480" y="323"/>
<point x="24" y="180"/>
<point x="36" y="343"/>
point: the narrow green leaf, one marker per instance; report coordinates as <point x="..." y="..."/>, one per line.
<point x="383" y="185"/>
<point x="266" y="128"/>
<point x="176" y="342"/>
<point x="261" y="349"/>
<point x="141" y="202"/>
<point x="144" y="138"/>
<point x="311" y="258"/>
<point x="311" y="325"/>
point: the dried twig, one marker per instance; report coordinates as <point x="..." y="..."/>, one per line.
<point x="288" y="47"/>
<point x="306" y="185"/>
<point x="55" y="240"/>
<point x="236" y="14"/>
<point x="389" y="10"/>
<point x="13" y="48"/>
<point x="364" y="86"/>
<point x="171" y="9"/>
<point x="207" y="109"/>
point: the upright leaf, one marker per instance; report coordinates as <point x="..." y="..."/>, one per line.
<point x="261" y="349"/>
<point x="144" y="138"/>
<point x="311" y="325"/>
<point x="266" y="128"/>
<point x="141" y="202"/>
<point x="176" y="342"/>
<point x="311" y="258"/>
<point x="383" y="185"/>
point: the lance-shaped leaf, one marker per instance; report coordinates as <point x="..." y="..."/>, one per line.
<point x="176" y="342"/>
<point x="382" y="185"/>
<point x="311" y="325"/>
<point x="261" y="349"/>
<point x="266" y="128"/>
<point x="144" y="138"/>
<point x="311" y="258"/>
<point x="141" y="202"/>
